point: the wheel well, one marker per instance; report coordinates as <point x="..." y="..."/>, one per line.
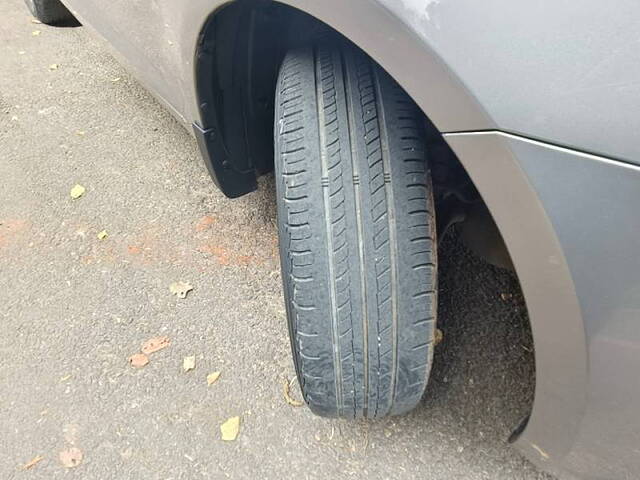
<point x="239" y="52"/>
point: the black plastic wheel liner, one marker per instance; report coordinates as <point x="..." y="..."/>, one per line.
<point x="235" y="78"/>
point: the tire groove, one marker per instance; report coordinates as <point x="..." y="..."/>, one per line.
<point x="359" y="234"/>
<point x="393" y="245"/>
<point x="337" y="364"/>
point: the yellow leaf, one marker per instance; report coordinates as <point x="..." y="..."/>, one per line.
<point x="212" y="378"/>
<point x="80" y="132"/>
<point x="286" y="391"/>
<point x="32" y="463"/>
<point x="439" y="336"/>
<point x="53" y="66"/>
<point x="230" y="429"/>
<point x="35" y="33"/>
<point x="180" y="289"/>
<point x="189" y="363"/>
<point x="116" y="79"/>
<point x="102" y="235"/>
<point x="77" y="191"/>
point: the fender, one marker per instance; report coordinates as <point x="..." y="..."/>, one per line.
<point x="554" y="312"/>
<point x="233" y="149"/>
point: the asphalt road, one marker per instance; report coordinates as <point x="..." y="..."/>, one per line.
<point x="73" y="307"/>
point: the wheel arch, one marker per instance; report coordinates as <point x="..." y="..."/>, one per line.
<point x="240" y="46"/>
<point x="234" y="159"/>
<point x="555" y="316"/>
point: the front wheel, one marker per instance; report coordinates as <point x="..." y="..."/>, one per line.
<point x="357" y="233"/>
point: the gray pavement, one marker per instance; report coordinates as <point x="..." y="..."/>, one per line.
<point x="73" y="308"/>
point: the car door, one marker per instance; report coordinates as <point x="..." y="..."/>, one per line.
<point x="145" y="37"/>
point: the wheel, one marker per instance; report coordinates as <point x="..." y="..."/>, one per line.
<point x="357" y="233"/>
<point x="50" y="12"/>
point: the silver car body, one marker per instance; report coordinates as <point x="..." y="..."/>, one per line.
<point x="541" y="103"/>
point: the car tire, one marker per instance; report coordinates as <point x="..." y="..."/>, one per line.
<point x="357" y="233"/>
<point x="50" y="12"/>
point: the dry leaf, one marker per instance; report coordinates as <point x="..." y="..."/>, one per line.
<point x="35" y="33"/>
<point x="77" y="191"/>
<point x="189" y="363"/>
<point x="213" y="378"/>
<point x="154" y="344"/>
<point x="21" y="52"/>
<point x="102" y="235"/>
<point x="32" y="463"/>
<point x="65" y="378"/>
<point x="114" y="80"/>
<point x="439" y="336"/>
<point x="230" y="429"/>
<point x="80" y="132"/>
<point x="53" y="66"/>
<point x="286" y="391"/>
<point x="71" y="458"/>
<point x="180" y="289"/>
<point x="35" y="20"/>
<point x="138" y="360"/>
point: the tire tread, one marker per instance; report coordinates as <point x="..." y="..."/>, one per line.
<point x="357" y="233"/>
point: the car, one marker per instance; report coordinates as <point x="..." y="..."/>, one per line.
<point x="387" y="122"/>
